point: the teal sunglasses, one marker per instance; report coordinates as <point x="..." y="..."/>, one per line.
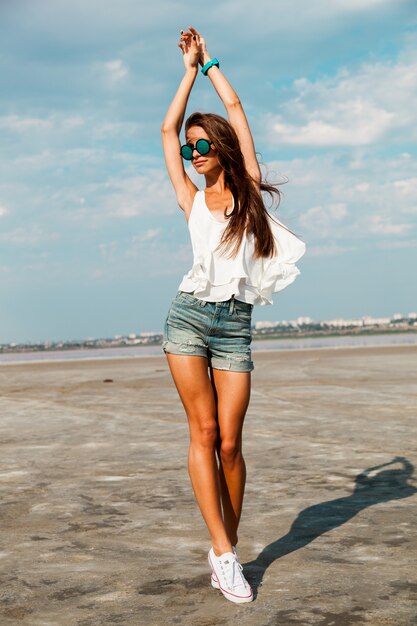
<point x="202" y="146"/>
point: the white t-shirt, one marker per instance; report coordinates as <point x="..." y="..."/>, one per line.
<point x="215" y="278"/>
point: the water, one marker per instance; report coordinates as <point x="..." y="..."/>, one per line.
<point x="346" y="341"/>
<point x="134" y="352"/>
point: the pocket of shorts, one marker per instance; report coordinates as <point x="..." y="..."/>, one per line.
<point x="184" y="297"/>
<point x="243" y="313"/>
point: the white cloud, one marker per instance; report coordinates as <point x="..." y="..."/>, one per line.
<point x="72" y="122"/>
<point x="407" y="186"/>
<point x="3" y="211"/>
<point x="323" y="219"/>
<point x="381" y="225"/>
<point x="362" y="187"/>
<point x="393" y="244"/>
<point x="328" y="199"/>
<point x="166" y="260"/>
<point x="55" y="121"/>
<point x="115" y="130"/>
<point x="329" y="249"/>
<point x="28" y="237"/>
<point x="150" y="234"/>
<point x="23" y="124"/>
<point x="353" y="108"/>
<point x="143" y="241"/>
<point x="358" y="123"/>
<point x="116" y="70"/>
<point x="131" y="196"/>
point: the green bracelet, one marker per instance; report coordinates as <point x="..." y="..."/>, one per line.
<point x="208" y="65"/>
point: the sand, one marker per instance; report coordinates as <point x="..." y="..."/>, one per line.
<point x="99" y="524"/>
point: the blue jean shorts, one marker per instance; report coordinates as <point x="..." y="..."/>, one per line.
<point x="219" y="331"/>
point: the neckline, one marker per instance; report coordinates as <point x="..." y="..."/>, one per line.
<point x="211" y="214"/>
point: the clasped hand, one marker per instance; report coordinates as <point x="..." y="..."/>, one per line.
<point x="193" y="48"/>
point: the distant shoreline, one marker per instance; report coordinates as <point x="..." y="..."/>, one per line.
<point x="291" y="336"/>
<point x="259" y="345"/>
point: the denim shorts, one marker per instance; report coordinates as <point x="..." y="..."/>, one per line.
<point x="219" y="331"/>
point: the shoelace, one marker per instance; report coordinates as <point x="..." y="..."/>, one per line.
<point x="238" y="570"/>
<point x="237" y="575"/>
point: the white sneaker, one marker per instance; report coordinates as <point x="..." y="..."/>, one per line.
<point x="214" y="581"/>
<point x="230" y="578"/>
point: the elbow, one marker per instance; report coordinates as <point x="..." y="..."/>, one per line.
<point x="168" y="129"/>
<point x="235" y="103"/>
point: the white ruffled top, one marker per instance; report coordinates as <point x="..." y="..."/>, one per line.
<point x="215" y="278"/>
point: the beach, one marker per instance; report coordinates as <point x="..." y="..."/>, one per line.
<point x="99" y="523"/>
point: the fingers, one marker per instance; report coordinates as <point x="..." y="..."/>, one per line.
<point x="185" y="39"/>
<point x="198" y="38"/>
<point x="188" y="42"/>
<point x="184" y="45"/>
<point x="192" y="34"/>
<point x="188" y="38"/>
<point x="194" y="31"/>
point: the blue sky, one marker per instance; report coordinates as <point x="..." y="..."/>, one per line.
<point x="93" y="243"/>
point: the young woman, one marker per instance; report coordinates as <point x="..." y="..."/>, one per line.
<point x="241" y="256"/>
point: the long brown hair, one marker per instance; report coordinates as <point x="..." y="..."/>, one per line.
<point x="249" y="211"/>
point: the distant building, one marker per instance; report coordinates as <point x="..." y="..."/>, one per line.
<point x="372" y="321"/>
<point x="304" y="320"/>
<point x="266" y="324"/>
<point x="342" y="323"/>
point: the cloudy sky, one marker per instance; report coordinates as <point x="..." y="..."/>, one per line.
<point x="93" y="243"/>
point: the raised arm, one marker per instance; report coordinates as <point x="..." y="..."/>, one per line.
<point x="234" y="109"/>
<point x="171" y="127"/>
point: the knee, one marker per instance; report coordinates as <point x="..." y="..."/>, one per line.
<point x="230" y="451"/>
<point x="205" y="436"/>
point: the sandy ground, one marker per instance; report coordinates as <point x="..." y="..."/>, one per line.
<point x="99" y="524"/>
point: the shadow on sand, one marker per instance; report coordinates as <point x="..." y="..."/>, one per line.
<point x="385" y="485"/>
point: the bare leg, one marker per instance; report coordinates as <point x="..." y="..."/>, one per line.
<point x="232" y="391"/>
<point x="190" y="374"/>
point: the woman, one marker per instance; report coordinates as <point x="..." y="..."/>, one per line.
<point x="241" y="256"/>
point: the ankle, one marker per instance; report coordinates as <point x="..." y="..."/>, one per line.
<point x="221" y="548"/>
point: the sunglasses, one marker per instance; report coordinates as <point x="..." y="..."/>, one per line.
<point x="201" y="145"/>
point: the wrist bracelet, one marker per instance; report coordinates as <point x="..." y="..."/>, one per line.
<point x="208" y="65"/>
